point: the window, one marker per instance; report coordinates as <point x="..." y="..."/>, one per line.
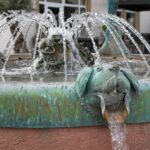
<point x="55" y="11"/>
<point x="72" y="1"/>
<point x="69" y="6"/>
<point x="119" y="13"/>
<point x="83" y="2"/>
<point x="55" y="1"/>
<point x="131" y="18"/>
<point x="41" y="8"/>
<point x="69" y="11"/>
<point x="82" y="10"/>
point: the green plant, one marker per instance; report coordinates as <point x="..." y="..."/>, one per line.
<point x="104" y="28"/>
<point x="15" y="5"/>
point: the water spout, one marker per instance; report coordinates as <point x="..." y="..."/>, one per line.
<point x="118" y="134"/>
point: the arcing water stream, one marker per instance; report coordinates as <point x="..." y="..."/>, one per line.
<point x="69" y="29"/>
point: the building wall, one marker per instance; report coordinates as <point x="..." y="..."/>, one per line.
<point x="145" y="22"/>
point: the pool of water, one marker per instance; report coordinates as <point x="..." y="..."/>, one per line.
<point x="20" y="70"/>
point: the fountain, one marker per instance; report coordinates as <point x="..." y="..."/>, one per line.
<point x="103" y="91"/>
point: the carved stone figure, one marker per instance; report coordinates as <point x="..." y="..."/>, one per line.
<point x="50" y="54"/>
<point x="86" y="55"/>
<point x="51" y="57"/>
<point x="113" y="86"/>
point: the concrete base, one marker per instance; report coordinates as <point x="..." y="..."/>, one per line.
<point x="83" y="138"/>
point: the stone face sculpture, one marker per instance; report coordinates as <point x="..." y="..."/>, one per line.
<point x="50" y="54"/>
<point x="97" y="91"/>
<point x="114" y="87"/>
<point x="86" y="55"/>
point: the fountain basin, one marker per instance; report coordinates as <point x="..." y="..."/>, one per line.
<point x="34" y="105"/>
<point x="96" y="138"/>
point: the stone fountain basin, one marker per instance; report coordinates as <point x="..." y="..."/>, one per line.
<point x="33" y="110"/>
<point x="36" y="105"/>
<point x="19" y="66"/>
<point x="42" y="105"/>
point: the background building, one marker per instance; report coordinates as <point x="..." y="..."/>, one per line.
<point x="73" y="6"/>
<point x="136" y="12"/>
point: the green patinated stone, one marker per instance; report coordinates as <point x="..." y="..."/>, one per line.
<point x="41" y="105"/>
